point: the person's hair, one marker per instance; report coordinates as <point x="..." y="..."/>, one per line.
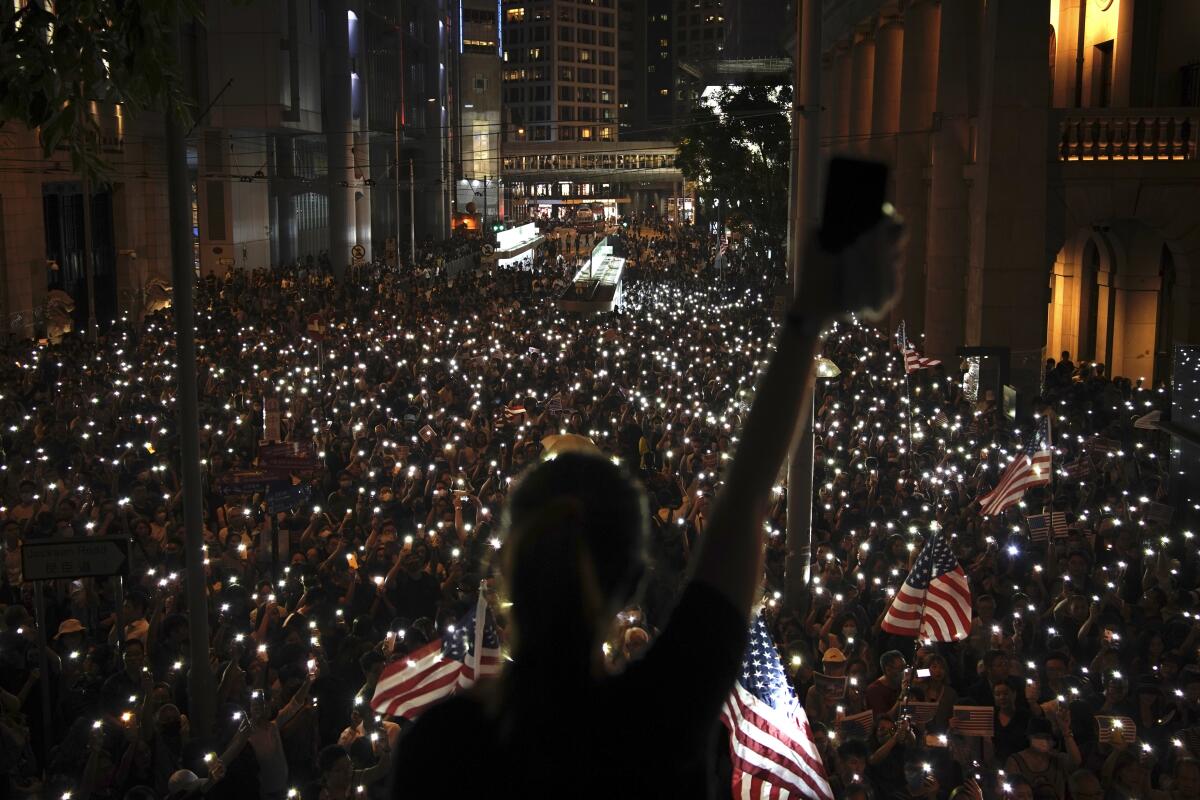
<point x="992" y="656"/>
<point x="576" y="528"/>
<point x="329" y="756"/>
<point x="851" y="749"/>
<point x="1056" y="655"/>
<point x="888" y="658"/>
<point x="370" y="659"/>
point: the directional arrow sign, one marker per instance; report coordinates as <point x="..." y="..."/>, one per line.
<point x="85" y="557"/>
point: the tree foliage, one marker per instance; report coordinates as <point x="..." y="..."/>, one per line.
<point x="736" y="146"/>
<point x="56" y="58"/>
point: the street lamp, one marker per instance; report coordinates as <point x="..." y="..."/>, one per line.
<point x="826" y="368"/>
<point x="798" y="560"/>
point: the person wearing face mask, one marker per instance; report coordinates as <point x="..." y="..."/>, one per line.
<point x="1042" y="764"/>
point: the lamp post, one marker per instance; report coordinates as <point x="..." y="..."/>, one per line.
<point x="802" y="214"/>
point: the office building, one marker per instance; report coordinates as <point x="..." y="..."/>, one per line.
<point x="560" y="70"/>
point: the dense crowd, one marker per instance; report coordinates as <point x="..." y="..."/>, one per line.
<point x="424" y="395"/>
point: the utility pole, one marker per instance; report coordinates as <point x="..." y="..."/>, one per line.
<point x="806" y="154"/>
<point x="201" y="688"/>
<point x="412" y="211"/>
<point x="89" y="259"/>
<point x="397" y="186"/>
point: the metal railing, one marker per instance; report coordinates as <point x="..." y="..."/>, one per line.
<point x="1128" y="134"/>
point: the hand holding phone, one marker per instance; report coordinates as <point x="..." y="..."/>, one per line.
<point x="852" y="264"/>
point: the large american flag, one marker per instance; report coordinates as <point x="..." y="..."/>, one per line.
<point x="935" y="600"/>
<point x="439" y="669"/>
<point x="774" y="756"/>
<point x="1030" y="468"/>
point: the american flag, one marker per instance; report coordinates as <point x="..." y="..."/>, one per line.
<point x="1106" y="725"/>
<point x="1029" y="469"/>
<point x="441" y="668"/>
<point x="514" y="410"/>
<point x="912" y="359"/>
<point x="975" y="721"/>
<point x="857" y="726"/>
<point x="922" y="712"/>
<point x="1102" y="444"/>
<point x="1079" y="469"/>
<point x="1041" y="524"/>
<point x="554" y="405"/>
<point x="1159" y="513"/>
<point x="935" y="600"/>
<point x="770" y="742"/>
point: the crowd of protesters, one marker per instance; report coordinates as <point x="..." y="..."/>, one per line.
<point x="424" y="395"/>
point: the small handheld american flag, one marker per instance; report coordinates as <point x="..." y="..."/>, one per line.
<point x="857" y="726"/>
<point x="1040" y="525"/>
<point x="1106" y="726"/>
<point x="974" y="721"/>
<point x="935" y="600"/>
<point x="770" y="742"/>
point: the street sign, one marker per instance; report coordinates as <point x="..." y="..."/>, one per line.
<point x="358" y="253"/>
<point x="82" y="557"/>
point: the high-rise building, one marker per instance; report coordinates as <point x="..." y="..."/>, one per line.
<point x="312" y="116"/>
<point x="646" y="69"/>
<point x="476" y="121"/>
<point x="698" y="39"/>
<point x="560" y="70"/>
<point x="757" y="28"/>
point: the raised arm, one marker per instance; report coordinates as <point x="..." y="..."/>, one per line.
<point x="728" y="556"/>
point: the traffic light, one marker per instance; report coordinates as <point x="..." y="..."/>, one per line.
<point x="497" y="227"/>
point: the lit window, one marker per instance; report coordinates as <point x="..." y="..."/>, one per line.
<point x="585" y="133"/>
<point x="515" y="14"/>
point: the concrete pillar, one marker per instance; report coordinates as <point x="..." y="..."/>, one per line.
<point x="917" y="85"/>
<point x="946" y="241"/>
<point x="1009" y="262"/>
<point x="886" y="89"/>
<point x="284" y="191"/>
<point x="1123" y="57"/>
<point x="362" y="194"/>
<point x="22" y="240"/>
<point x="215" y="198"/>
<point x="828" y="101"/>
<point x="1066" y="46"/>
<point x="862" y="78"/>
<point x="338" y="138"/>
<point x="842" y="64"/>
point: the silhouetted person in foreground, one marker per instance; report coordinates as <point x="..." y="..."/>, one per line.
<point x="556" y="724"/>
